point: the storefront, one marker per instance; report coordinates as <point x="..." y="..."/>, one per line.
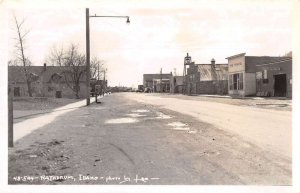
<point x="274" y="79"/>
<point x="259" y="76"/>
<point x="241" y="76"/>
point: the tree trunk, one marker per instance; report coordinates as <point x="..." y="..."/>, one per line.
<point x="29" y="87"/>
<point x="21" y="49"/>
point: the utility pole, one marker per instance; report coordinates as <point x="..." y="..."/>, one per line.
<point x="88" y="73"/>
<point x="87" y="15"/>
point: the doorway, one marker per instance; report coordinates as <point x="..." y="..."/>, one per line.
<point x="280" y="85"/>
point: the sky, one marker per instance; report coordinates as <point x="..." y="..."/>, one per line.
<point x="159" y="35"/>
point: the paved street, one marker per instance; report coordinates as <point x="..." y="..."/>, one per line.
<point x="134" y="138"/>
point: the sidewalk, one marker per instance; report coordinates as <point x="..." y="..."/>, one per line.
<point x="25" y="127"/>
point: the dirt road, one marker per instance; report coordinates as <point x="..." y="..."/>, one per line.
<point x="267" y="128"/>
<point x="122" y="141"/>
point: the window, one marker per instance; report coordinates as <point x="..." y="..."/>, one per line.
<point x="265" y="74"/>
<point x="240" y="81"/>
<point x="258" y="75"/>
<point x="192" y="77"/>
<point x="148" y="83"/>
<point x="236" y="81"/>
<point x="265" y="77"/>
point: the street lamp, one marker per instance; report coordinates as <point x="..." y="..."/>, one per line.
<point x="87" y="14"/>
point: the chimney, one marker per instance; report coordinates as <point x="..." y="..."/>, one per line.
<point x="213" y="63"/>
<point x="45" y="66"/>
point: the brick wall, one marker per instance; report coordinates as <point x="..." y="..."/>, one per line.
<point x="212" y="87"/>
<point x="272" y="70"/>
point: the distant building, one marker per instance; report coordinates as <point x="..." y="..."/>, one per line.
<point x="98" y="86"/>
<point x="46" y="81"/>
<point x="176" y="84"/>
<point x="141" y="87"/>
<point x="157" y="82"/>
<point x="259" y="75"/>
<point x="205" y="78"/>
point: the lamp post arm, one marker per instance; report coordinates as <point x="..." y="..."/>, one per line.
<point x="128" y="21"/>
<point x="108" y="16"/>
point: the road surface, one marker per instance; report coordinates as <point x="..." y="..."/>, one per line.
<point x="264" y="127"/>
<point x="134" y="138"/>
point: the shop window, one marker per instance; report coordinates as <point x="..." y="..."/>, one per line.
<point x="236" y="81"/>
<point x="240" y="81"/>
<point x="265" y="76"/>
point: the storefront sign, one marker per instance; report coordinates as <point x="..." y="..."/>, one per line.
<point x="235" y="64"/>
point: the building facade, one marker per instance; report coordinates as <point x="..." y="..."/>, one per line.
<point x="274" y="79"/>
<point x="157" y="82"/>
<point x="176" y="84"/>
<point x="46" y="81"/>
<point x="208" y="78"/>
<point x="248" y="75"/>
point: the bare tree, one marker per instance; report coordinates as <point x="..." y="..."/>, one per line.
<point x="13" y="62"/>
<point x="96" y="67"/>
<point x="75" y="63"/>
<point x="56" y="56"/>
<point x="25" y="61"/>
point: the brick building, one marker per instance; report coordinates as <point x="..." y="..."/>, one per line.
<point x="259" y="75"/>
<point x="176" y="84"/>
<point x="46" y="81"/>
<point x="210" y="78"/>
<point x="274" y="78"/>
